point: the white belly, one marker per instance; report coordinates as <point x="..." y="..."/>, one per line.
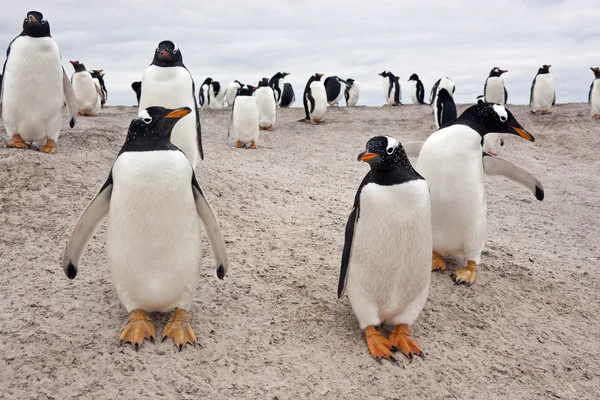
<point x="390" y="263"/>
<point x="494" y="90"/>
<point x="543" y="92"/>
<point x="32" y="89"/>
<point x="267" y="108"/>
<point x="154" y="234"/>
<point x="245" y="119"/>
<point x="386" y="88"/>
<point x="171" y="87"/>
<point x="88" y="100"/>
<point x="232" y="89"/>
<point x="415" y="100"/>
<point x="354" y="94"/>
<point x="320" y="96"/>
<point x="217" y="101"/>
<point x="595" y="100"/>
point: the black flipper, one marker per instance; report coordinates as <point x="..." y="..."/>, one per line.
<point x="505" y="96"/>
<point x="349" y="237"/>
<point x="198" y="127"/>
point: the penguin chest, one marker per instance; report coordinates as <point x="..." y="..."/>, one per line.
<point x="494" y="90"/>
<point x="354" y="93"/>
<point x="88" y="100"/>
<point x="320" y="97"/>
<point x="595" y="97"/>
<point x="386" y="87"/>
<point x="245" y="119"/>
<point x="415" y="98"/>
<point x="543" y="92"/>
<point x="267" y="108"/>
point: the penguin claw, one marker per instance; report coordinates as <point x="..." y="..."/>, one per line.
<point x="139" y="328"/>
<point x="179" y="329"/>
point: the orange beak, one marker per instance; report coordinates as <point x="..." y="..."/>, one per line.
<point x="524" y="134"/>
<point x="33" y="19"/>
<point x="74" y="62"/>
<point x="164" y="54"/>
<point x="366" y="157"/>
<point x="179" y="113"/>
<point x="594" y="69"/>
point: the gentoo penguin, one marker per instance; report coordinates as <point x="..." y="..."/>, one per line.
<point x="168" y="83"/>
<point x="335" y="89"/>
<point x="156" y="211"/>
<point x="216" y="96"/>
<point x="98" y="77"/>
<point x="543" y="96"/>
<point x="34" y="87"/>
<point x="315" y="100"/>
<point x="444" y="109"/>
<point x="386" y="258"/>
<point x="494" y="90"/>
<point x="351" y="93"/>
<point x="231" y="92"/>
<point x="265" y="104"/>
<point x="87" y="93"/>
<point x="480" y="99"/>
<point x="594" y="96"/>
<point x="244" y="118"/>
<point x="204" y="94"/>
<point x="445" y="83"/>
<point x="453" y="163"/>
<point x="391" y="89"/>
<point x="287" y="97"/>
<point x="137" y="88"/>
<point x="277" y="84"/>
<point x="418" y="90"/>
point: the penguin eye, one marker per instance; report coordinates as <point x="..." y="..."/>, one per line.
<point x="43" y="22"/>
<point x="147" y="120"/>
<point x="390" y="150"/>
<point x="503" y="118"/>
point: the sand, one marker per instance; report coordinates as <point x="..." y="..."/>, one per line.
<point x="528" y="328"/>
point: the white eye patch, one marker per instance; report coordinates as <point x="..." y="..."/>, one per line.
<point x="176" y="49"/>
<point x="392" y="144"/>
<point x="501" y="111"/>
<point x="144" y="116"/>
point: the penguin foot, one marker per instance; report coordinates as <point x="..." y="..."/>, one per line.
<point x="596" y="117"/>
<point x="17" y="142"/>
<point x="270" y="128"/>
<point x="139" y="328"/>
<point x="321" y="120"/>
<point x="252" y="145"/>
<point x="537" y="113"/>
<point x="260" y="128"/>
<point x="465" y="275"/>
<point x="239" y="145"/>
<point x="179" y="329"/>
<point x="546" y="112"/>
<point x="314" y="122"/>
<point x="48" y="147"/>
<point x="400" y="337"/>
<point x="437" y="262"/>
<point x="379" y="346"/>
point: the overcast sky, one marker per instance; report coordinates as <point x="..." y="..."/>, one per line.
<point x="248" y="40"/>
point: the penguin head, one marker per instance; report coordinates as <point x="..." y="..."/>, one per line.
<point x="497" y="71"/>
<point x="246" y="90"/>
<point x="167" y="54"/>
<point x="384" y="153"/>
<point x="283" y="74"/>
<point x="35" y="25"/>
<point x="545" y="69"/>
<point x="596" y="71"/>
<point x="240" y="84"/>
<point x="79" y="67"/>
<point x="350" y="81"/>
<point x="413" y="77"/>
<point x="263" y="82"/>
<point x="156" y="122"/>
<point x="493" y="118"/>
<point x="97" y="73"/>
<point x="316" y="77"/>
<point x="480" y="99"/>
<point x="207" y="81"/>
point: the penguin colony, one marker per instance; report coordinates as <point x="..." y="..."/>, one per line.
<point x="399" y="229"/>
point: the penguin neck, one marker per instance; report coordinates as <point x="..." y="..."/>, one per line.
<point x="147" y="141"/>
<point x="394" y="175"/>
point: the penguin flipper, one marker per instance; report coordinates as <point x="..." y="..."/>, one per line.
<point x="505" y="96"/>
<point x="86" y="225"/>
<point x="311" y="99"/>
<point x="347" y="95"/>
<point x="198" y="127"/>
<point x="531" y="94"/>
<point x="590" y="94"/>
<point x="498" y="166"/>
<point x="349" y="238"/>
<point x="554" y="98"/>
<point x="70" y="98"/>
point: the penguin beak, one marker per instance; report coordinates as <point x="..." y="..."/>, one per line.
<point x="366" y="156"/>
<point x="594" y="69"/>
<point x="164" y="54"/>
<point x="380" y="74"/>
<point x="32" y="19"/>
<point x="503" y="71"/>
<point x="179" y="113"/>
<point x="320" y="75"/>
<point x="523" y="133"/>
<point x="74" y="62"/>
<point x="286" y="74"/>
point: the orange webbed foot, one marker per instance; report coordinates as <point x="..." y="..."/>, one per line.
<point x="139" y="328"/>
<point x="179" y="329"/>
<point x="400" y="337"/>
<point x="379" y="346"/>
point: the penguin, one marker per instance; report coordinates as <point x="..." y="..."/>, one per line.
<point x="385" y="265"/>
<point x="244" y="118"/>
<point x="445" y="83"/>
<point x="98" y="77"/>
<point x="231" y="92"/>
<point x="391" y="89"/>
<point x="34" y="87"/>
<point x="266" y="106"/>
<point x="87" y="93"/>
<point x="335" y="89"/>
<point x="351" y="93"/>
<point x="315" y="100"/>
<point x="203" y="94"/>
<point x="137" y="88"/>
<point x="480" y="99"/>
<point x="454" y="164"/>
<point x="168" y="83"/>
<point x="594" y="95"/>
<point x="418" y="91"/>
<point x="444" y="109"/>
<point x="543" y="95"/>
<point x="287" y="97"/>
<point x="216" y="96"/>
<point x="494" y="90"/>
<point x="155" y="211"/>
<point x="277" y="84"/>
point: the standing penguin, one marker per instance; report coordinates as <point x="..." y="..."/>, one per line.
<point x="277" y="84"/>
<point x="451" y="161"/>
<point x="386" y="257"/>
<point x="287" y="97"/>
<point x="315" y="100"/>
<point x="391" y="89"/>
<point x="156" y="211"/>
<point x="335" y="89"/>
<point x="89" y="96"/>
<point x="494" y="90"/>
<point x="445" y="83"/>
<point x="231" y="92"/>
<point x="204" y="94"/>
<point x="137" y="88"/>
<point x="418" y="90"/>
<point x="98" y="77"/>
<point x="351" y="93"/>
<point x="34" y="86"/>
<point x="216" y="96"/>
<point x="244" y="118"/>
<point x="168" y="83"/>
<point x="265" y="103"/>
<point x="444" y="109"/>
<point x="543" y="96"/>
<point x="594" y="96"/>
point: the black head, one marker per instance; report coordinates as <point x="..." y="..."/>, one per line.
<point x="497" y="71"/>
<point x="492" y="118"/>
<point x="384" y="153"/>
<point x="596" y="71"/>
<point x="167" y="54"/>
<point x="97" y="73"/>
<point x="314" y="78"/>
<point x="413" y="77"/>
<point x="264" y="82"/>
<point x="240" y="84"/>
<point x="79" y="67"/>
<point x="246" y="90"/>
<point x="155" y="124"/>
<point x="280" y="75"/>
<point x="350" y="81"/>
<point x="35" y="25"/>
<point x="207" y="81"/>
<point x="544" y="70"/>
<point x="480" y="99"/>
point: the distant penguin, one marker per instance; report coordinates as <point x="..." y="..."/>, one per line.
<point x="594" y="96"/>
<point x="352" y="92"/>
<point x="98" y="77"/>
<point x="244" y="118"/>
<point x="204" y="94"/>
<point x="34" y="87"/>
<point x="89" y="96"/>
<point x="288" y="97"/>
<point x="453" y="163"/>
<point x="335" y="89"/>
<point x="444" y="109"/>
<point x="156" y="212"/>
<point x="315" y="99"/>
<point x="231" y="92"/>
<point x="137" y="88"/>
<point x="265" y="103"/>
<point x="391" y="89"/>
<point x="277" y="84"/>
<point x="494" y="90"/>
<point x="480" y="99"/>
<point x="386" y="264"/>
<point x="216" y="96"/>
<point x="543" y="96"/>
<point x="445" y="83"/>
<point x="418" y="90"/>
<point x="168" y="83"/>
